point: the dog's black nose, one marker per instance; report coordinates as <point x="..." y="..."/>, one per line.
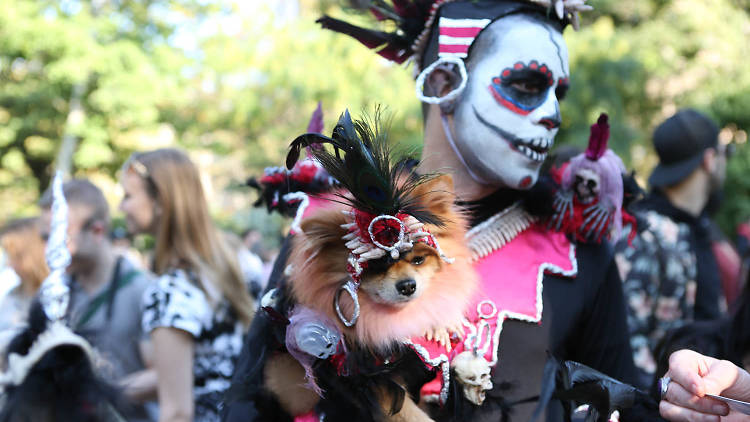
<point x="406" y="287"/>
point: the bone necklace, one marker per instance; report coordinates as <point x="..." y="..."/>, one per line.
<point x="498" y="230"/>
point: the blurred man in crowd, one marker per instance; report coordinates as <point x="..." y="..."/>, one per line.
<point x="669" y="271"/>
<point x="106" y="289"/>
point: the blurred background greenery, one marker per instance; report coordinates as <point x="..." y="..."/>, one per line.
<point x="83" y="83"/>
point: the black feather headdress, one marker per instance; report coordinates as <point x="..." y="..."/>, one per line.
<point x="414" y="21"/>
<point x="362" y="164"/>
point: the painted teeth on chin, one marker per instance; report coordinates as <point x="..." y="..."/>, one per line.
<point x="531" y="154"/>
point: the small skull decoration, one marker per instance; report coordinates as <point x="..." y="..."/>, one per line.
<point x="473" y="372"/>
<point x="317" y="339"/>
<point x="586" y="185"/>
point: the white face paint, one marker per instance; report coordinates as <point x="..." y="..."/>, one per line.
<point x="506" y="119"/>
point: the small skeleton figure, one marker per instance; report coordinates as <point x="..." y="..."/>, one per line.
<point x="589" y="202"/>
<point x="473" y="372"/>
<point x="586" y="186"/>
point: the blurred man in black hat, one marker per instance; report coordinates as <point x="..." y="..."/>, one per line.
<point x="669" y="272"/>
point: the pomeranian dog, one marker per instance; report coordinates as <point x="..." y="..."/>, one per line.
<point x="417" y="294"/>
<point x="418" y="286"/>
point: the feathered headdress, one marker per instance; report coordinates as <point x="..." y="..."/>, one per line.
<point x="441" y="32"/>
<point x="414" y="21"/>
<point x="286" y="190"/>
<point x="365" y="170"/>
<point x="385" y="216"/>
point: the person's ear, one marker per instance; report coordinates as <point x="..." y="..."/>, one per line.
<point x="442" y="80"/>
<point x="442" y="83"/>
<point x="709" y="160"/>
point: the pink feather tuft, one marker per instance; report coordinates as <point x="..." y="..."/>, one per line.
<point x="315" y="126"/>
<point x="316" y="120"/>
<point x="598" y="138"/>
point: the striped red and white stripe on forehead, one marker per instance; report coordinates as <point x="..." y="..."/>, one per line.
<point x="457" y="35"/>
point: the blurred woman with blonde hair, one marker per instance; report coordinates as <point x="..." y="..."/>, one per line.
<point x="197" y="311"/>
<point x="24" y="248"/>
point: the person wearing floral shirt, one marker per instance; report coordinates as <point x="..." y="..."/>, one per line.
<point x="670" y="275"/>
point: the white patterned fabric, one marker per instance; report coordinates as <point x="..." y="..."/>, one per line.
<point x="175" y="301"/>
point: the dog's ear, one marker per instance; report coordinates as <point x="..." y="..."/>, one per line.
<point x="436" y="195"/>
<point x="324" y="228"/>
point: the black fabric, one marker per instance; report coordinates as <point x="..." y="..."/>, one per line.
<point x="351" y="398"/>
<point x="708" y="281"/>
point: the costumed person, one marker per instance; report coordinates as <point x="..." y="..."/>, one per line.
<point x="491" y="74"/>
<point x="51" y="374"/>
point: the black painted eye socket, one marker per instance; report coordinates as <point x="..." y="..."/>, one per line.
<point x="417" y="260"/>
<point x="591" y="184"/>
<point x="522" y="87"/>
<point x="526" y="82"/>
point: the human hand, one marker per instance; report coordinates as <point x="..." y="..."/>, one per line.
<point x="692" y="377"/>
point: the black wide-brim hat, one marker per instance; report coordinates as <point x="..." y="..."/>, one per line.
<point x="680" y="142"/>
<point x="672" y="174"/>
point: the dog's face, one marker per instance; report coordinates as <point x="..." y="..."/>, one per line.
<point x="397" y="282"/>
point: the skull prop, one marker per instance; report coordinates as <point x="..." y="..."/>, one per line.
<point x="310" y="336"/>
<point x="586" y="185"/>
<point x="315" y="337"/>
<point x="505" y="121"/>
<point x="473" y="372"/>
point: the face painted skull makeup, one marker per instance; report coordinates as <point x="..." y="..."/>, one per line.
<point x="507" y="117"/>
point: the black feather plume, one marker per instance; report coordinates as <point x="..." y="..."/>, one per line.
<point x="362" y="164"/>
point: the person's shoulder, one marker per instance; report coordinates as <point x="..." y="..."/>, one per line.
<point x="175" y="281"/>
<point x="173" y="300"/>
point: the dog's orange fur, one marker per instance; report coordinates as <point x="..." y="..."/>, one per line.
<point x="318" y="267"/>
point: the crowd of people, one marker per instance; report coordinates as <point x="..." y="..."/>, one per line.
<point x="573" y="262"/>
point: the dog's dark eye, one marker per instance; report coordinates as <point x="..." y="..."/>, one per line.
<point x="417" y="260"/>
